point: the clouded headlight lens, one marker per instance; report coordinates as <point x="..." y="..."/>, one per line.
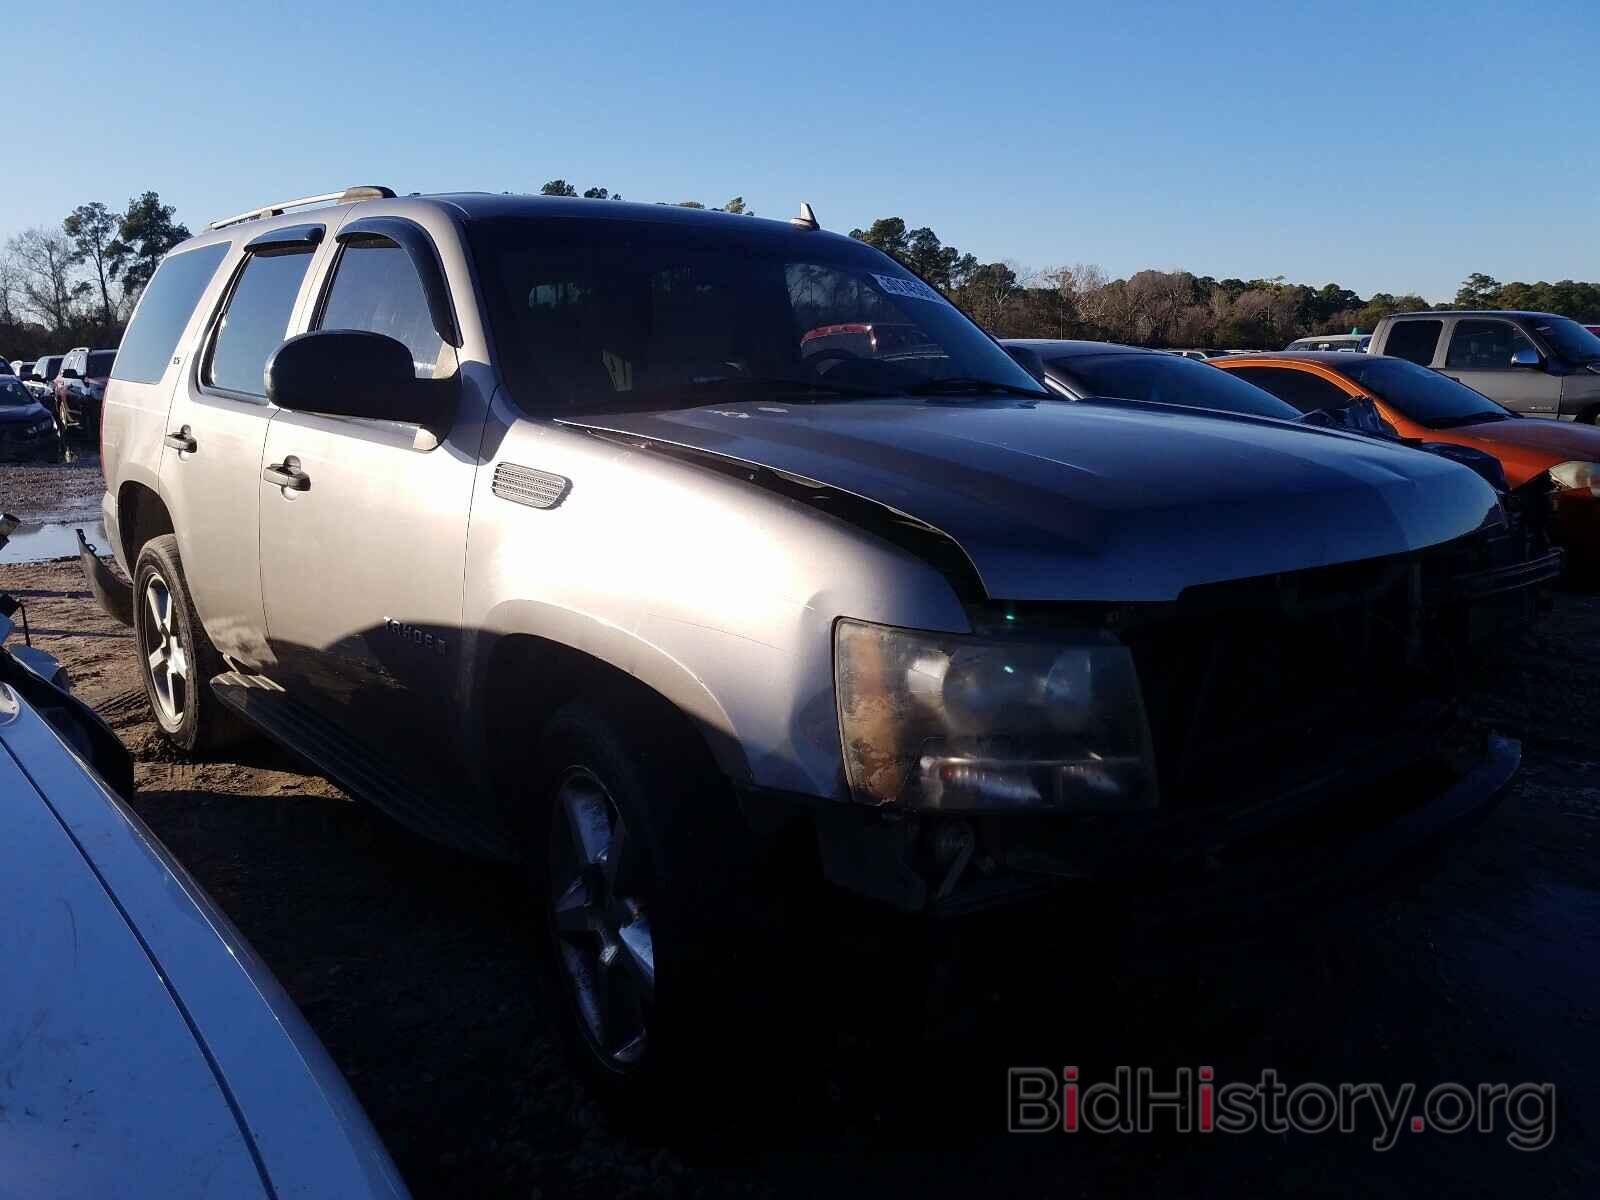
<point x="1577" y="475"/>
<point x="954" y="722"/>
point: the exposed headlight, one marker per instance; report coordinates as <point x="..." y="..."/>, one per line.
<point x="954" y="722"/>
<point x="1577" y="475"/>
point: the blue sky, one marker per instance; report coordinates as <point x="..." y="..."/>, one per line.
<point x="1386" y="147"/>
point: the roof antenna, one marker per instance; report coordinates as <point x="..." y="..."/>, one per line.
<point x="807" y="219"/>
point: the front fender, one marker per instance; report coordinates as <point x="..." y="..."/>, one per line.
<point x="618" y="648"/>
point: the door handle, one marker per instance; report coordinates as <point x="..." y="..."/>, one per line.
<point x="287" y="474"/>
<point x="182" y="440"/>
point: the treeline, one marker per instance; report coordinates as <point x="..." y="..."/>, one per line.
<point x="1178" y="308"/>
<point x="76" y="284"/>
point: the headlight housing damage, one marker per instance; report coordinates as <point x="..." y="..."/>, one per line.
<point x="955" y="722"/>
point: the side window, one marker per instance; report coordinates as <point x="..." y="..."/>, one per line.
<point x="1414" y="341"/>
<point x="1301" y="389"/>
<point x="254" y="321"/>
<point x="1485" y="345"/>
<point x="376" y="289"/>
<point x="163" y="312"/>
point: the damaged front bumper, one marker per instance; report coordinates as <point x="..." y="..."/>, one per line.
<point x="1386" y="797"/>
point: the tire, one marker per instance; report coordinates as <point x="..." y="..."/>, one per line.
<point x="650" y="926"/>
<point x="176" y="660"/>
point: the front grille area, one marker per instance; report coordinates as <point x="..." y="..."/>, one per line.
<point x="1257" y="686"/>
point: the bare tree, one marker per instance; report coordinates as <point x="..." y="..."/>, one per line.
<point x="45" y="261"/>
<point x="11" y="294"/>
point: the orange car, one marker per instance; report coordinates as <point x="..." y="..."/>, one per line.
<point x="1431" y="407"/>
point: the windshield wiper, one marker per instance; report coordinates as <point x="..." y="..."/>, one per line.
<point x="964" y="385"/>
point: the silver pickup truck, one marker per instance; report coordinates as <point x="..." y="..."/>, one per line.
<point x="1536" y="364"/>
<point x="558" y="530"/>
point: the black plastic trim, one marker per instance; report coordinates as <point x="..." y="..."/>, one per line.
<point x="424" y="255"/>
<point x="288" y="237"/>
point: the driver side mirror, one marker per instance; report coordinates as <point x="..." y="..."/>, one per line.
<point x="70" y="373"/>
<point x="354" y="373"/>
<point x="1526" y="357"/>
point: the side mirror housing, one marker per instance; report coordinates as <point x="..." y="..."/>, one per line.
<point x="70" y="373"/>
<point x="354" y="373"/>
<point x="1526" y="357"/>
<point x="1028" y="359"/>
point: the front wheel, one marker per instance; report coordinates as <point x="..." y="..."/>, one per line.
<point x="176" y="659"/>
<point x="634" y="855"/>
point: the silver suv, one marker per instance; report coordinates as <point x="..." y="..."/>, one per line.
<point x="603" y="537"/>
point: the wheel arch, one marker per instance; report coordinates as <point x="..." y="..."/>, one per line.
<point x="141" y="515"/>
<point x="519" y="677"/>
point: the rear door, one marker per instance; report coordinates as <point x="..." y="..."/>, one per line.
<point x="1415" y="340"/>
<point x="1479" y="355"/>
<point x="211" y="464"/>
<point x="362" y="565"/>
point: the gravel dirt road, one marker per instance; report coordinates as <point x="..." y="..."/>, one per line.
<point x="1476" y="962"/>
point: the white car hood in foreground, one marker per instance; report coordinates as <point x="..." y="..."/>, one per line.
<point x="144" y="1049"/>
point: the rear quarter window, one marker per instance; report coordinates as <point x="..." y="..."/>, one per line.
<point x="164" y="311"/>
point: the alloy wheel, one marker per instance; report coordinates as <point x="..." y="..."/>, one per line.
<point x="168" y="664"/>
<point x="602" y="928"/>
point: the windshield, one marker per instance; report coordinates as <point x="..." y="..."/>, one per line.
<point x="1568" y="339"/>
<point x="1167" y="379"/>
<point x="596" y="314"/>
<point x="12" y="393"/>
<point x="1430" y="399"/>
<point x="99" y="364"/>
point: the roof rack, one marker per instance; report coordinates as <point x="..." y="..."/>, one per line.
<point x="359" y="192"/>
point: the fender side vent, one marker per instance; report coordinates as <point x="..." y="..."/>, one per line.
<point x="524" y="485"/>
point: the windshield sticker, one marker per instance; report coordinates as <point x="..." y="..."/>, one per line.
<point x="911" y="289"/>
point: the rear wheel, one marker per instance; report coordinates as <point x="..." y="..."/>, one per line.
<point x="176" y="659"/>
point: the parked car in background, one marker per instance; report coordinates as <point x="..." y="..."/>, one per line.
<point x="147" y="1049"/>
<point x="1535" y="364"/>
<point x="21" y="367"/>
<point x="80" y="387"/>
<point x="1505" y="575"/>
<point x="1332" y="341"/>
<point x="1201" y="354"/>
<point x="28" y="432"/>
<point x="1539" y="457"/>
<point x="725" y="589"/>
<point x="43" y="382"/>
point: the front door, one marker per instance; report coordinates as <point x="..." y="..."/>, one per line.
<point x="1479" y="356"/>
<point x="362" y="556"/>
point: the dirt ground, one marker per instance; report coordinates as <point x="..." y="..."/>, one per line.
<point x="1474" y="963"/>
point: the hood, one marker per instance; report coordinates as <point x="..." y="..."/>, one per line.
<point x="1056" y="501"/>
<point x="22" y="414"/>
<point x="1563" y="441"/>
<point x="101" y="1078"/>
